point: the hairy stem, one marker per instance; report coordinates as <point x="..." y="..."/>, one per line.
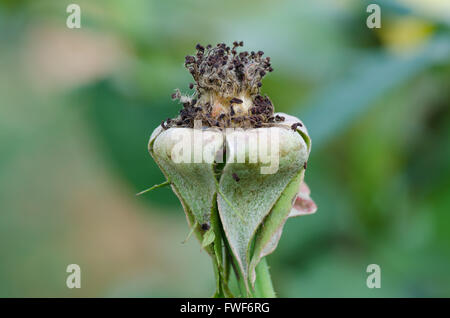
<point x="263" y="283"/>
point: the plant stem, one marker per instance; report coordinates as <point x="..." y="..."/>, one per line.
<point x="156" y="186"/>
<point x="263" y="283"/>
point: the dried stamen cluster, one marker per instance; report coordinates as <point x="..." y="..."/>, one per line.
<point x="227" y="85"/>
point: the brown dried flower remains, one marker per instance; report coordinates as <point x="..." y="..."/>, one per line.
<point x="227" y="89"/>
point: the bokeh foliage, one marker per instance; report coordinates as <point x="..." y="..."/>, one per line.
<point x="78" y="107"/>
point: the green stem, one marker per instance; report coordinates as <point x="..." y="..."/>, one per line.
<point x="156" y="186"/>
<point x="219" y="292"/>
<point x="263" y="283"/>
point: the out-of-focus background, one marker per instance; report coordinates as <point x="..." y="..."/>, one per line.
<point x="77" y="107"/>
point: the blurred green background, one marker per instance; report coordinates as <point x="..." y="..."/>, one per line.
<point x="77" y="107"/>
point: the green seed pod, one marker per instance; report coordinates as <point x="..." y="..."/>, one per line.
<point x="236" y="166"/>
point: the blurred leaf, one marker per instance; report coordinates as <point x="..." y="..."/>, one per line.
<point x="368" y="79"/>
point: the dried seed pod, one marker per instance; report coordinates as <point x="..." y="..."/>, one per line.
<point x="260" y="184"/>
